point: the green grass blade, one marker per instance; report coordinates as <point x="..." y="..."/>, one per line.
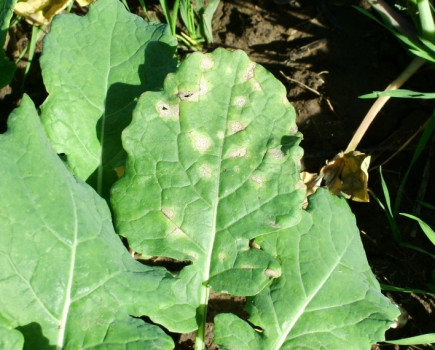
<point x="426" y="205"/>
<point x="417" y="249"/>
<point x="36" y="34"/>
<point x="173" y="22"/>
<point x="400" y="93"/>
<point x="124" y="2"/>
<point x="424" y="226"/>
<point x="428" y="338"/>
<point x="167" y="14"/>
<point x="387" y="209"/>
<point x="414" y="43"/>
<point x="386" y="192"/>
<point x="424" y="139"/>
<point x="207" y="18"/>
<point x="404" y="290"/>
<point x="426" y="20"/>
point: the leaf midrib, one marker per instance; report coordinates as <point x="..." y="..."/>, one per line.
<point x="68" y="289"/>
<point x="301" y="310"/>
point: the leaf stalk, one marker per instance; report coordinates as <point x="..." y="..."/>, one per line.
<point x="415" y="64"/>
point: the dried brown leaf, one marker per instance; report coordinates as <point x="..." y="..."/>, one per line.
<point x="347" y="174"/>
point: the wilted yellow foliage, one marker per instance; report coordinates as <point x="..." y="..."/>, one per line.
<point x="41" y="12"/>
<point x="84" y="3"/>
<point x="347" y="174"/>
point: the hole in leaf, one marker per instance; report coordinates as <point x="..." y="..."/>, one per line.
<point x="173" y="265"/>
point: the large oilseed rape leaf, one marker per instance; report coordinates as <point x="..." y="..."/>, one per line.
<point x="66" y="279"/>
<point x="327" y="296"/>
<point x="213" y="162"/>
<point x="94" y="68"/>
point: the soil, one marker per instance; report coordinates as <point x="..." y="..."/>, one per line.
<point x="327" y="54"/>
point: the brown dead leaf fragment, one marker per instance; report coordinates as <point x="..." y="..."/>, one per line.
<point x="312" y="182"/>
<point x="347" y="174"/>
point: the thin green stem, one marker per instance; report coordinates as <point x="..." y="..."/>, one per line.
<point x="36" y="34"/>
<point x="426" y="20"/>
<point x="124" y="2"/>
<point x="174" y="16"/>
<point x="415" y="64"/>
<point x="424" y="139"/>
<point x="15" y="21"/>
<point x="22" y="54"/>
<point x="167" y="14"/>
<point x="144" y="8"/>
<point x="189" y="42"/>
<point x="202" y="319"/>
<point x="69" y="7"/>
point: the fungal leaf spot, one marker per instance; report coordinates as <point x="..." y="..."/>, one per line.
<point x="270" y="273"/>
<point x="238" y="153"/>
<point x="240" y="101"/>
<point x="201" y="143"/>
<point x="205" y="171"/>
<point x="276" y="153"/>
<point x="169" y="213"/>
<point x="237" y="126"/>
<point x="249" y="74"/>
<point x="165" y="110"/>
<point x="257" y="179"/>
<point x="206" y="62"/>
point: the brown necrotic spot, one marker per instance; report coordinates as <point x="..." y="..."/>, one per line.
<point x="187" y="95"/>
<point x="166" y="110"/>
<point x="193" y="95"/>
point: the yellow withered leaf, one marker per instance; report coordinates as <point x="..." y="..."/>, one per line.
<point x="312" y="182"/>
<point x="84" y="3"/>
<point x="347" y="174"/>
<point x="41" y="12"/>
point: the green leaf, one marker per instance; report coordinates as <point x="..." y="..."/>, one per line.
<point x="419" y="339"/>
<point x="94" y="68"/>
<point x="424" y="226"/>
<point x="327" y="296"/>
<point x="232" y="333"/>
<point x="7" y="68"/>
<point x="66" y="278"/>
<point x="400" y="93"/>
<point x="10" y="338"/>
<point x="405" y="290"/>
<point x="213" y="162"/>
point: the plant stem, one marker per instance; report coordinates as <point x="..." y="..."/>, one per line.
<point x="202" y="319"/>
<point x="165" y="8"/>
<point x="426" y="20"/>
<point x="415" y="64"/>
<point x="144" y="8"/>
<point x="36" y="34"/>
<point x="174" y="16"/>
<point x="124" y="2"/>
